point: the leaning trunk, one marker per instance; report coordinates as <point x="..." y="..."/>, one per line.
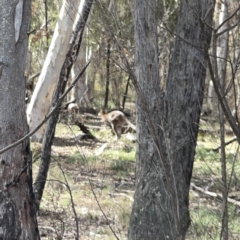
<point x="40" y="102"/>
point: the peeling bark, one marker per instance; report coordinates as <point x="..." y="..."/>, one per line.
<point x="40" y="102"/>
<point x="17" y="214"/>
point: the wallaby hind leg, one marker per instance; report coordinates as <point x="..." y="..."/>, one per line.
<point x="119" y="132"/>
<point x="125" y="128"/>
<point x="115" y="130"/>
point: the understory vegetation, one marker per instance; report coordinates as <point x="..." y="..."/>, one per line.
<point x="96" y="179"/>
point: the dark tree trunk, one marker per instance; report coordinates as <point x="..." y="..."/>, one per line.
<point x="165" y="157"/>
<point x="108" y="73"/>
<point x="17" y="215"/>
<point x="125" y="94"/>
<point x="51" y="125"/>
<point x="183" y="98"/>
<point x="145" y="218"/>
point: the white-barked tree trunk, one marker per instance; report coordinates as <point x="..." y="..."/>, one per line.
<point x="40" y="102"/>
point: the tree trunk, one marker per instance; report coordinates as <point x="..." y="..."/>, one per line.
<point x="80" y="91"/>
<point x="144" y="222"/>
<point x="165" y="157"/>
<point x="221" y="69"/>
<point x="125" y="93"/>
<point x="210" y="95"/>
<point x="107" y="73"/>
<point x="65" y="73"/>
<point x="183" y="101"/>
<point x="40" y="103"/>
<point x="17" y="216"/>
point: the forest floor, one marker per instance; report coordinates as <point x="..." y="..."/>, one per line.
<point x="91" y="183"/>
<point x="99" y="176"/>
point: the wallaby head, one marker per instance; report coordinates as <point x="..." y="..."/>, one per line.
<point x="101" y="111"/>
<point x="102" y="114"/>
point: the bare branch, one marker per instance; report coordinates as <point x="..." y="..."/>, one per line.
<point x="71" y="199"/>
<point x="227" y="19"/>
<point x="223" y="102"/>
<point x="228" y="29"/>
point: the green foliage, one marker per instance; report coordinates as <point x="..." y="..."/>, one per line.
<point x="207" y="154"/>
<point x="207" y="162"/>
<point x="78" y="159"/>
<point x="205" y="223"/>
<point x="74" y="158"/>
<point x="119" y="155"/>
<point x="206" y="211"/>
<point x="120" y="167"/>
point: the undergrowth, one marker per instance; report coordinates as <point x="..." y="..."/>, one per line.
<point x="102" y="185"/>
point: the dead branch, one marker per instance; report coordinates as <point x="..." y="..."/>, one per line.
<point x="122" y="194"/>
<point x="47" y="228"/>
<point x="226" y="143"/>
<point x="214" y="195"/>
<point x="84" y="129"/>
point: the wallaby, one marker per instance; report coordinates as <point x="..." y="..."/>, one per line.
<point x="117" y="121"/>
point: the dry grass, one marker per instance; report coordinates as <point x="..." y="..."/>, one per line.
<point x="102" y="187"/>
<point x="105" y="181"/>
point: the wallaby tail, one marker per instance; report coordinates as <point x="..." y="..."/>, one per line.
<point x="131" y="125"/>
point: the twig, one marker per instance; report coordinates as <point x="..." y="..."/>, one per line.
<point x="71" y="197"/>
<point x="72" y="201"/>
<point x="226" y="143"/>
<point x="226" y="20"/>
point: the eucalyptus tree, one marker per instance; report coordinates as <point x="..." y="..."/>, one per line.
<point x="17" y="215"/>
<point x="41" y="100"/>
<point x="80" y="92"/>
<point x="167" y="120"/>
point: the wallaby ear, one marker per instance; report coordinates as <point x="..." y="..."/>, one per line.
<point x="101" y="111"/>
